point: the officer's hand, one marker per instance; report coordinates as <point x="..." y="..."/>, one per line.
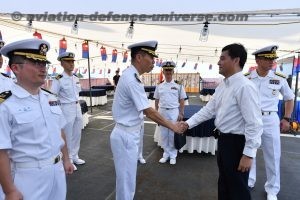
<point x="245" y="164"/>
<point x="284" y="125"/>
<point x="14" y="195"/>
<point x="68" y="166"/>
<point x="180" y="117"/>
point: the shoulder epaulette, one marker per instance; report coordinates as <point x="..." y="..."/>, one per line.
<point x="178" y="82"/>
<point x="247" y="74"/>
<point x="75" y="75"/>
<point x="137" y="78"/>
<point x="281" y="75"/>
<point x="4" y="96"/>
<point x="5" y="75"/>
<point x="47" y="91"/>
<point x="58" y="77"/>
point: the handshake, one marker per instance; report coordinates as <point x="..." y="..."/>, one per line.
<point x="180" y="127"/>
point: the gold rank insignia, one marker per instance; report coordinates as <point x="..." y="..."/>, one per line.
<point x="58" y="77"/>
<point x="4" y="96"/>
<point x="137" y="77"/>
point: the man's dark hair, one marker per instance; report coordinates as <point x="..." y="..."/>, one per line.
<point x="135" y="52"/>
<point x="237" y="51"/>
<point x="15" y="59"/>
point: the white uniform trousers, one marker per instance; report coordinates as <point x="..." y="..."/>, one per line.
<point x="45" y="182"/>
<point x="73" y="116"/>
<point x="125" y="146"/>
<point x="141" y="145"/>
<point x="167" y="135"/>
<point x="270" y="144"/>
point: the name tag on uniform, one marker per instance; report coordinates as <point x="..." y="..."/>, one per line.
<point x="174" y="88"/>
<point x="274" y="82"/>
<point x="54" y="103"/>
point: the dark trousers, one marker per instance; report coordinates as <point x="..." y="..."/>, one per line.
<point x="232" y="184"/>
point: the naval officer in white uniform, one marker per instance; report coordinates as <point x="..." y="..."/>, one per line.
<point x="130" y="101"/>
<point x="67" y="88"/>
<point x="169" y="101"/>
<point x="32" y="145"/>
<point x="270" y="85"/>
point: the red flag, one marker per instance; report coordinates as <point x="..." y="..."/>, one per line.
<point x="37" y="35"/>
<point x="161" y="77"/>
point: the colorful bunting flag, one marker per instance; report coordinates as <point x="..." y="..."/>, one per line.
<point x="296" y="65"/>
<point x="103" y="53"/>
<point x="161" y="76"/>
<point x="62" y="45"/>
<point x="252" y="68"/>
<point x="114" y="56"/>
<point x="158" y="62"/>
<point x="125" y="56"/>
<point x="85" y="49"/>
<point x="8" y="70"/>
<point x="37" y="35"/>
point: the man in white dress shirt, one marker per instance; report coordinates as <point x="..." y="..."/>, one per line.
<point x="270" y="85"/>
<point x="67" y="87"/>
<point x="236" y="108"/>
<point x="129" y="104"/>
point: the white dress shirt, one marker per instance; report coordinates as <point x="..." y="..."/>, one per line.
<point x="236" y="107"/>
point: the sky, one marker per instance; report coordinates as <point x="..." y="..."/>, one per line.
<point x="143" y="6"/>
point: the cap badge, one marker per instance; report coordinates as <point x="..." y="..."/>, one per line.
<point x="43" y="49"/>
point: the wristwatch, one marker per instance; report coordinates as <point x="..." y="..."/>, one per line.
<point x="287" y="119"/>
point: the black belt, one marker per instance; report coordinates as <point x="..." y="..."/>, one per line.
<point x="57" y="159"/>
<point x="267" y="112"/>
<point x="218" y="134"/>
<point x="168" y="108"/>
